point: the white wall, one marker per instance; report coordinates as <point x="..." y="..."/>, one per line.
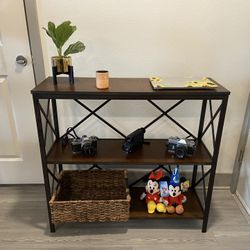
<point x="141" y="38"/>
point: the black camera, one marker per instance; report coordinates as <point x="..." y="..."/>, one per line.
<point x="180" y="147"/>
<point x="133" y="140"/>
<point x="85" y="145"/>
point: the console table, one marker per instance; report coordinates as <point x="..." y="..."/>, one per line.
<point x="54" y="155"/>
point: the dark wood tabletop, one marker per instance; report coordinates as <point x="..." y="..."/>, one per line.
<point x="119" y="88"/>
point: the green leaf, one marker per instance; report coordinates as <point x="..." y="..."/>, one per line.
<point x="63" y="32"/>
<point x="51" y="27"/>
<point x="74" y="48"/>
<point x="51" y="33"/>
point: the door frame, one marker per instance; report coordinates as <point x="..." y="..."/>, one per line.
<point x="241" y="148"/>
<point x="30" y="8"/>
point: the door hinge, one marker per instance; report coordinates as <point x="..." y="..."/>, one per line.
<point x="241" y="156"/>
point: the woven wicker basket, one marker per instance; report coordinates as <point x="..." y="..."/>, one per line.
<point x="89" y="196"/>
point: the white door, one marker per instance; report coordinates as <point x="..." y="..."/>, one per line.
<point x="19" y="150"/>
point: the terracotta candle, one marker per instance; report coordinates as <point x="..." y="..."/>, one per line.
<point x="102" y="79"/>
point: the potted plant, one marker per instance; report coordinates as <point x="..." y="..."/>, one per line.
<point x="60" y="36"/>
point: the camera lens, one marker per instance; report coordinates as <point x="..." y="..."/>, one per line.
<point x="180" y="152"/>
<point x="126" y="147"/>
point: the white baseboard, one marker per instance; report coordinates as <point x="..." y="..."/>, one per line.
<point x="243" y="206"/>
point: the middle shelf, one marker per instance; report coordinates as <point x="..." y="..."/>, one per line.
<point x="109" y="151"/>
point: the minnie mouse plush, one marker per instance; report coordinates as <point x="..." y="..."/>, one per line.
<point x="152" y="194"/>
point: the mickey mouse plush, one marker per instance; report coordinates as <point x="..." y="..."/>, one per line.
<point x="175" y="198"/>
<point x="152" y="194"/>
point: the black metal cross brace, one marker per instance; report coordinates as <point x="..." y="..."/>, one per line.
<point x="211" y="122"/>
<point x="165" y="113"/>
<point x="48" y="122"/>
<point x="203" y="176"/>
<point x="146" y="175"/>
<point x="93" y="112"/>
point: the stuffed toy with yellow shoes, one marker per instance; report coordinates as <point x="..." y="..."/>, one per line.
<point x="152" y="194"/>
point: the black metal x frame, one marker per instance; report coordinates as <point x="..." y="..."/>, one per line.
<point x="216" y="137"/>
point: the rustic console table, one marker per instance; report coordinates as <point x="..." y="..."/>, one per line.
<point x="109" y="150"/>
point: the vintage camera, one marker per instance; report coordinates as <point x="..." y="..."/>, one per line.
<point x="180" y="147"/>
<point x="85" y="145"/>
<point x="133" y="140"/>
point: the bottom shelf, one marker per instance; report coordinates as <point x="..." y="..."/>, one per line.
<point x="138" y="209"/>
